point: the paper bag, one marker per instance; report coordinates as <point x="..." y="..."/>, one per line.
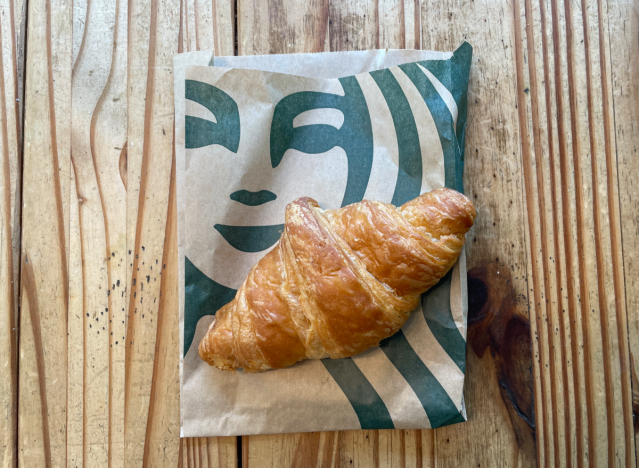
<point x="253" y="134"/>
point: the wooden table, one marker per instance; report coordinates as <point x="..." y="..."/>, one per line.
<point x="88" y="228"/>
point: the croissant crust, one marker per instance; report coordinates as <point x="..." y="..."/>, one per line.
<point x="338" y="281"/>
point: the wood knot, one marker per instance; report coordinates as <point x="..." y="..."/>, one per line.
<point x="496" y="322"/>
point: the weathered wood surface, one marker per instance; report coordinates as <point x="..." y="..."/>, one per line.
<point x="99" y="379"/>
<point x="88" y="236"/>
<point x="12" y="29"/>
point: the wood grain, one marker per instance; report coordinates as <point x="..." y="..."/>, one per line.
<point x="89" y="227"/>
<point x="10" y="212"/>
<point x="100" y="88"/>
<point x="282" y="26"/>
<point x="572" y="45"/>
<point x="98" y="131"/>
<point x="208" y="25"/>
<point x="153" y="40"/>
<point x="623" y="28"/>
<point x="45" y="217"/>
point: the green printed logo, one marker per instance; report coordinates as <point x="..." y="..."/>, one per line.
<point x="200" y="132"/>
<point x="355" y="136"/>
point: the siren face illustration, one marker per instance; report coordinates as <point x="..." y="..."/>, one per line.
<point x="320" y="145"/>
<point x="253" y="142"/>
<point x="387" y="135"/>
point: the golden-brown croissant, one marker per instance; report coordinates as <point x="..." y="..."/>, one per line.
<point x="338" y="281"/>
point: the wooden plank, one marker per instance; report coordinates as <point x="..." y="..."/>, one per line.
<point x="98" y="128"/>
<point x="10" y="209"/>
<point x="623" y="21"/>
<point x="154" y="31"/>
<point x="75" y="327"/>
<point x="44" y="274"/>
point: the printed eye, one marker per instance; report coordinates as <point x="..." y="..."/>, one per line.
<point x="324" y="116"/>
<point x="219" y="121"/>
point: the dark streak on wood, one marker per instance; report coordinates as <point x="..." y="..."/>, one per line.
<point x="375" y="437"/>
<point x="189" y="456"/>
<point x="497" y="323"/>
<point x="243" y="461"/>
<point x="402" y="449"/>
<point x="323" y="26"/>
<point x="635" y="394"/>
<point x="418" y="24"/>
<point x="376" y="8"/>
<point x="402" y="25"/>
<point x="29" y="290"/>
<point x="235" y="24"/>
<point x="11" y="411"/>
<point x="419" y="453"/>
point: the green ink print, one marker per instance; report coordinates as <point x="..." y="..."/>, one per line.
<point x="454" y="74"/>
<point x="253" y="198"/>
<point x="355" y="136"/>
<point x="250" y="238"/>
<point x="202" y="296"/>
<point x="200" y="132"/>
<point x="368" y="405"/>
<point x="439" y="317"/>
<point x="438" y="405"/>
<point x="444" y="123"/>
<point x="409" y="175"/>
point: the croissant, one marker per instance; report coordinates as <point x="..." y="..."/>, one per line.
<point x="338" y="281"/>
